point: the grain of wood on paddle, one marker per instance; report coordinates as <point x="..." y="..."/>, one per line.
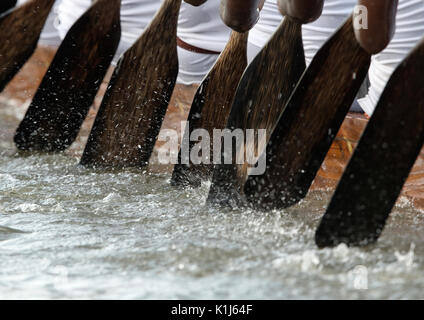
<point x="132" y="111"/>
<point x="212" y="105"/>
<point x="382" y="161"/>
<point x="69" y="87"/>
<point x="310" y="122"/>
<point x="19" y="33"/>
<point x="260" y="98"/>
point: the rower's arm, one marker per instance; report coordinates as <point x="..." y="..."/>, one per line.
<point x="303" y="11"/>
<point x="376" y="33"/>
<point x="240" y="15"/>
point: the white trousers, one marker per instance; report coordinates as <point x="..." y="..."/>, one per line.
<point x="409" y="31"/>
<point x="193" y="67"/>
<point x="135" y="16"/>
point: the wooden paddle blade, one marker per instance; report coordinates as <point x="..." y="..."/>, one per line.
<point x="132" y="111"/>
<point x="69" y="87"/>
<point x="310" y="122"/>
<point x="211" y="108"/>
<point x="260" y="98"/>
<point x="20" y="30"/>
<point x="381" y="162"/>
<point x="6" y="5"/>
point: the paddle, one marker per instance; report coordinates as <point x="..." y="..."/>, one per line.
<point x="260" y="98"/>
<point x="132" y="111"/>
<point x="6" y="5"/>
<point x="211" y="107"/>
<point x="68" y="89"/>
<point x="380" y="165"/>
<point x="312" y="117"/>
<point x="19" y="33"/>
<point x="213" y="100"/>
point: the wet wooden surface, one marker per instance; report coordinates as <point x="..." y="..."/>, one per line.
<point x="260" y="98"/>
<point x="381" y="163"/>
<point x="130" y="117"/>
<point x="310" y="122"/>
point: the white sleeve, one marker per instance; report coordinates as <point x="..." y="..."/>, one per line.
<point x="409" y="31"/>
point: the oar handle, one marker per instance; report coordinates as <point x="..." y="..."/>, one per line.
<point x="240" y="15"/>
<point x="195" y="3"/>
<point x="375" y="23"/>
<point x="303" y="11"/>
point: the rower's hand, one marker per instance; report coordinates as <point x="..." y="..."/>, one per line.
<point x="303" y="11"/>
<point x="195" y="3"/>
<point x="375" y="34"/>
<point x="240" y="15"/>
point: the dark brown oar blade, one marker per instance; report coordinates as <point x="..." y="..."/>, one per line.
<point x="260" y="98"/>
<point x="381" y="162"/>
<point x="211" y="107"/>
<point x="132" y="111"/>
<point x="6" y="5"/>
<point x="310" y="122"/>
<point x="68" y="89"/>
<point x="19" y="33"/>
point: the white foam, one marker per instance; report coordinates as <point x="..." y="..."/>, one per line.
<point x="112" y="197"/>
<point x="28" y="207"/>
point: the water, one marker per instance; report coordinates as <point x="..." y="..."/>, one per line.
<point x="69" y="232"/>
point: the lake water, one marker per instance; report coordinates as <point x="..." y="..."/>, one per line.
<point x="70" y="232"/>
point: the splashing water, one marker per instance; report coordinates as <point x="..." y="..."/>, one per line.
<point x="69" y="232"/>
